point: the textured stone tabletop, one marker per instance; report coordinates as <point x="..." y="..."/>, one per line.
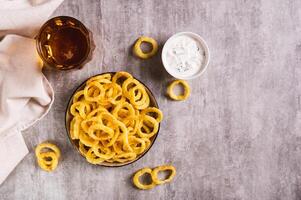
<point x="237" y="137"/>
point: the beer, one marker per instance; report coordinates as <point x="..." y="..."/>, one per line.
<point x="64" y="43"/>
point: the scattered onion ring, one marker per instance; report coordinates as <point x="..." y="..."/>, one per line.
<point x="155" y="172"/>
<point x="137" y="182"/>
<point x="138" y="51"/>
<point x="186" y="88"/>
<point x="48" y="160"/>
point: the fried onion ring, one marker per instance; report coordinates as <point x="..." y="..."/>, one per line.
<point x="156" y="170"/>
<point x="186" y="88"/>
<point x="47" y="160"/>
<point x="137" y="182"/>
<point x="145" y="55"/>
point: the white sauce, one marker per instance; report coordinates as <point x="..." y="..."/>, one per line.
<point x="185" y="56"/>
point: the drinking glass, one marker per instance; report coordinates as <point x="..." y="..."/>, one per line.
<point x="64" y="43"/>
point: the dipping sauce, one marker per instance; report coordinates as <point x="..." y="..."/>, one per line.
<point x="185" y="56"/>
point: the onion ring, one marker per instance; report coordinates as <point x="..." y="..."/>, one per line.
<point x="138" y="51"/>
<point x="156" y="170"/>
<point x="48" y="160"/>
<point x="149" y="110"/>
<point x="186" y="88"/>
<point x="137" y="182"/>
<point x="148" y="133"/>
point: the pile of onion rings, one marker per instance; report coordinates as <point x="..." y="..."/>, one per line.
<point x="154" y="176"/>
<point x="112" y="120"/>
<point x="47" y="160"/>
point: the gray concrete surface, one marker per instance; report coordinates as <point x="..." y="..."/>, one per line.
<point x="237" y="137"/>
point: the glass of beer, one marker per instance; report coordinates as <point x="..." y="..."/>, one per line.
<point x="64" y="43"/>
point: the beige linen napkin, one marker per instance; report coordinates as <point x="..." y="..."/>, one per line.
<point x="25" y="94"/>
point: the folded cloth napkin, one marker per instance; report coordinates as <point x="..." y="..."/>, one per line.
<point x="24" y="17"/>
<point x="25" y="94"/>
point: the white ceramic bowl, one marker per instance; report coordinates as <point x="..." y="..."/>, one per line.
<point x="201" y="42"/>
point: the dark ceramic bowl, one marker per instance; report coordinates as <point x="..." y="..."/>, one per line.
<point x="68" y="118"/>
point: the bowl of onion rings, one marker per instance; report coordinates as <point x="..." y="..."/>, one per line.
<point x="112" y="119"/>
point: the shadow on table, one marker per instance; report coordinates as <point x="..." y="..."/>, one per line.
<point x="153" y="69"/>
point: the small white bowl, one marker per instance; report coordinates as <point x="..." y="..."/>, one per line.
<point x="201" y="42"/>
